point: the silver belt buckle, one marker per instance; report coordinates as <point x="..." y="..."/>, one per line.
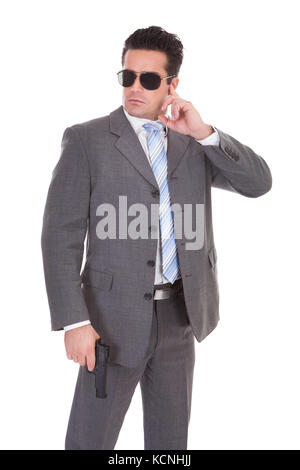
<point x="161" y="294"/>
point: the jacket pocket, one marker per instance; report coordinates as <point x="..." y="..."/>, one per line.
<point x="99" y="279"/>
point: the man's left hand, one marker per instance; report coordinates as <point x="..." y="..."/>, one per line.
<point x="186" y="119"/>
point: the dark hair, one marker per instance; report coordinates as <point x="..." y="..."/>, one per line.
<point x="155" y="38"/>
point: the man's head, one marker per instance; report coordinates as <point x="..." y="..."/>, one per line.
<point x="150" y="50"/>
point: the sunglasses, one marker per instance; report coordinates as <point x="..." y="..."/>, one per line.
<point x="148" y="80"/>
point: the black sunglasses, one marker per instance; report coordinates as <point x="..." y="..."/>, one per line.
<point x="148" y="80"/>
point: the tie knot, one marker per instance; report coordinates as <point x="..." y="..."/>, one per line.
<point x="151" y="127"/>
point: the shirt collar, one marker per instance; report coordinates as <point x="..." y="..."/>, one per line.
<point x="137" y="123"/>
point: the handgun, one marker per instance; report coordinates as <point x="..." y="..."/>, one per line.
<point x="102" y="353"/>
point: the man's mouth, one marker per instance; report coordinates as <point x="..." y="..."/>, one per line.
<point x="135" y="101"/>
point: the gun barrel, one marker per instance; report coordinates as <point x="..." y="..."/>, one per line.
<point x="102" y="354"/>
<point x="101" y="382"/>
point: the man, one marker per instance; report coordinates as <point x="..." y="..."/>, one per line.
<point x="145" y="296"/>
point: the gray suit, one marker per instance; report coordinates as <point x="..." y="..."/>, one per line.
<point x="100" y="160"/>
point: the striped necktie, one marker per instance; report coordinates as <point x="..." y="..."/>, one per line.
<point x="159" y="163"/>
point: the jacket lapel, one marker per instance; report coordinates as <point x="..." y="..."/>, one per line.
<point x="129" y="145"/>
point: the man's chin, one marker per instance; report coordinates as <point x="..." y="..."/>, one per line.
<point x="137" y="111"/>
<point x="136" y="107"/>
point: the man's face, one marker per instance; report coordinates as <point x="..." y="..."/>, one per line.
<point x="139" y="61"/>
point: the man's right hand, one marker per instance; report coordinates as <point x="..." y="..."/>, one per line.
<point x="80" y="345"/>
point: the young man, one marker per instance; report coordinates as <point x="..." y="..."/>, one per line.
<point x="148" y="294"/>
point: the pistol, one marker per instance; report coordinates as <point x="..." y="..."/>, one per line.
<point x="102" y="353"/>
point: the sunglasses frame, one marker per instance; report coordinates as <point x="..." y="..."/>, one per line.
<point x="143" y="73"/>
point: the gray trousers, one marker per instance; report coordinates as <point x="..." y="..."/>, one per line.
<point x="165" y="376"/>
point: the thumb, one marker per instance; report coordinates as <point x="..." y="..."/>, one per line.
<point x="95" y="334"/>
<point x="167" y="122"/>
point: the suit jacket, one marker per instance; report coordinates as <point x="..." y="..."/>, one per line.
<point x="100" y="160"/>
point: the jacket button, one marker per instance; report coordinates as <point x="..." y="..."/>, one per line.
<point x="150" y="262"/>
<point x="148" y="296"/>
<point x="155" y="193"/>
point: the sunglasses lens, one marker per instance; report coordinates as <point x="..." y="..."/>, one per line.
<point x="126" y="78"/>
<point x="150" y="81"/>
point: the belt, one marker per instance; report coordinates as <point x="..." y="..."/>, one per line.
<point x="164" y="291"/>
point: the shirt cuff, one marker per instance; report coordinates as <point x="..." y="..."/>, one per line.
<point x="76" y="325"/>
<point x="212" y="139"/>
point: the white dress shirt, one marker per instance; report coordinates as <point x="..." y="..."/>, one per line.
<point x="142" y="134"/>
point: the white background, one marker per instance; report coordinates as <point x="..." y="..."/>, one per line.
<point x="241" y="71"/>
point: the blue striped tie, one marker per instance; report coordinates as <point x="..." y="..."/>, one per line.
<point x="159" y="163"/>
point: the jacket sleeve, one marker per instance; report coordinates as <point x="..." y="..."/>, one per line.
<point x="235" y="167"/>
<point x="64" y="229"/>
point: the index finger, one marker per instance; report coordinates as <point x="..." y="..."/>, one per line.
<point x="168" y="101"/>
<point x="91" y="360"/>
